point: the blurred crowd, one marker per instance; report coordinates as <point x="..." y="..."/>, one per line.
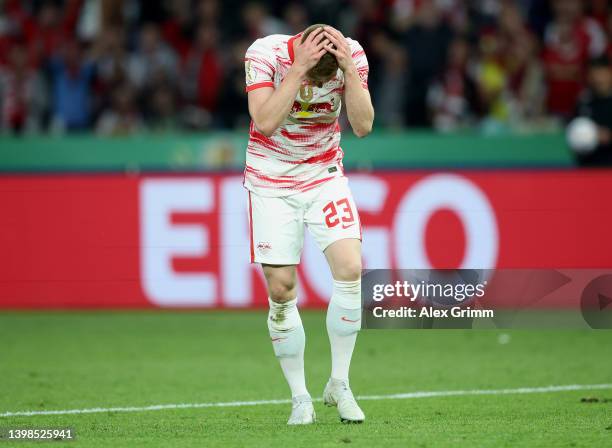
<point x="125" y="66"/>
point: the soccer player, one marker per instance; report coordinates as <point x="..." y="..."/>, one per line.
<point x="294" y="177"/>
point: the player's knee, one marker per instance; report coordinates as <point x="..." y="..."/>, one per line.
<point x="281" y="290"/>
<point x="348" y="271"/>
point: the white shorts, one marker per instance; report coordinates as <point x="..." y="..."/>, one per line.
<point x="277" y="224"/>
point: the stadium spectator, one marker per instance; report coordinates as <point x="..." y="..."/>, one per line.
<point x="296" y="17"/>
<point x="122" y="118"/>
<point x="564" y="59"/>
<point x="452" y="98"/>
<point x="178" y="28"/>
<point x="7" y="29"/>
<point x="492" y="83"/>
<point x="22" y="93"/>
<point x="51" y="29"/>
<point x="599" y="11"/>
<point x="202" y="73"/>
<point x="570" y="40"/>
<point x="454" y="12"/>
<point x="609" y="35"/>
<point x="596" y="103"/>
<point x="72" y="78"/>
<point x="365" y="22"/>
<point x="111" y="58"/>
<point x="524" y="73"/>
<point x="526" y="85"/>
<point x="91" y="20"/>
<point x="259" y="23"/>
<point x="161" y="109"/>
<point x="389" y="88"/>
<point x="154" y="61"/>
<point x="209" y="12"/>
<point x="426" y="61"/>
<point x="588" y="28"/>
<point x="233" y="108"/>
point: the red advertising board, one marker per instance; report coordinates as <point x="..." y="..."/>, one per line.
<point x="120" y="241"/>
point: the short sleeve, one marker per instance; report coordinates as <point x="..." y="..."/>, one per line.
<point x="259" y="66"/>
<point x="361" y="62"/>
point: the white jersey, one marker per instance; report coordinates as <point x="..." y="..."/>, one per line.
<point x="304" y="151"/>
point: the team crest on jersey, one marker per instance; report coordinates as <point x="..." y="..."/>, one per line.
<point x="306" y="93"/>
<point x="305" y="98"/>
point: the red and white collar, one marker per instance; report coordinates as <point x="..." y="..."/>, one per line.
<point x="290" y="46"/>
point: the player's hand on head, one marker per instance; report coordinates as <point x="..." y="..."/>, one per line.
<point x="339" y="47"/>
<point x="308" y="53"/>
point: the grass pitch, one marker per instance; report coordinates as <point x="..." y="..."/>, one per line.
<point x="51" y="361"/>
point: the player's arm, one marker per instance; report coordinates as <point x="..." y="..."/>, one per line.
<point x="269" y="107"/>
<point x="356" y="97"/>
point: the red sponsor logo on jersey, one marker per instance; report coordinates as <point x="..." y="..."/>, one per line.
<point x="319" y="108"/>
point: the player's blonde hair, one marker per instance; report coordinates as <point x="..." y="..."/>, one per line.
<point x="327" y="66"/>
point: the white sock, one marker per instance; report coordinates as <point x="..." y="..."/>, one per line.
<point x="343" y="322"/>
<point x="288" y="341"/>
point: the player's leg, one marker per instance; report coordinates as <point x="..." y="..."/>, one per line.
<point x="285" y="325"/>
<point x="276" y="241"/>
<point x="343" y="323"/>
<point x="334" y="222"/>
<point x="344" y="310"/>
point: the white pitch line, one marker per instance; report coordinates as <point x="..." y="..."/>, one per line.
<point x="403" y="396"/>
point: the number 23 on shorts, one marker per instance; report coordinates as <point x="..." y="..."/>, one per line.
<point x="347" y="218"/>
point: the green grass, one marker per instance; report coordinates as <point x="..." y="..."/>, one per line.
<point x="78" y="360"/>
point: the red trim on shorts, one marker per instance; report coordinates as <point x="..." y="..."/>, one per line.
<point x="251" y="229"/>
<point x="259" y="85"/>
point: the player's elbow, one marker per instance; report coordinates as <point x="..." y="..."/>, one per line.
<point x="266" y="129"/>
<point x="262" y="123"/>
<point x="363" y="130"/>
